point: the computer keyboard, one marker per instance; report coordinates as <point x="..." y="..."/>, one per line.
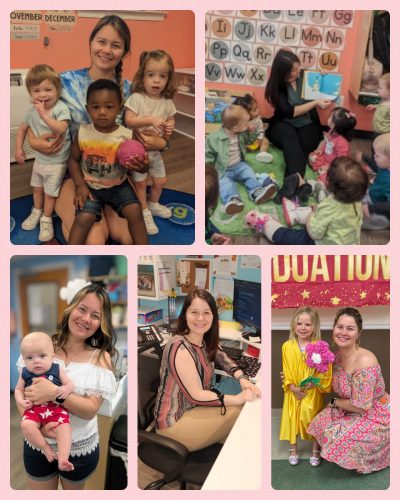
<point x="249" y="365"/>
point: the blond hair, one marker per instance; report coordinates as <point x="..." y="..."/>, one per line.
<point x="233" y="114"/>
<point x="314" y="317"/>
<point x="37" y="74"/>
<point x="382" y="142"/>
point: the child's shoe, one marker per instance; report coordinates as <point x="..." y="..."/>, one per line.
<point x="32" y="220"/>
<point x="159" y="210"/>
<point x="263" y="194"/>
<point x="304" y="191"/>
<point x="293" y="459"/>
<point x="151" y="228"/>
<point x="288" y="189"/>
<point x="293" y="213"/>
<point x="46" y="229"/>
<point x="318" y="190"/>
<point x="264" y="157"/>
<point x="234" y="206"/>
<point x="315" y="461"/>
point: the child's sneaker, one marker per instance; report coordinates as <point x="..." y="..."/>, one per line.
<point x="264" y="157"/>
<point x="46" y="229"/>
<point x="151" y="228"/>
<point x="32" y="220"/>
<point x="159" y="210"/>
<point x="293" y="213"/>
<point x="263" y="194"/>
<point x="234" y="206"/>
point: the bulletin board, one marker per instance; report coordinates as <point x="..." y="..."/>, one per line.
<point x="193" y="273"/>
<point x="241" y="44"/>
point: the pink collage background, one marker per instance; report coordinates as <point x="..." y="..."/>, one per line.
<point x="7" y="250"/>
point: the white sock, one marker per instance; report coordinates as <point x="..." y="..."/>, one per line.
<point x="270" y="227"/>
<point x="302" y="214"/>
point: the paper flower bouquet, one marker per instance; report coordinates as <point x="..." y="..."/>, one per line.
<point x="318" y="356"/>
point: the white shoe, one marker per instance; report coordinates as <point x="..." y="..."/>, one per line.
<point x="33" y="219"/>
<point x="264" y="157"/>
<point x="293" y="459"/>
<point x="46" y="229"/>
<point x="151" y="228"/>
<point x="160" y="210"/>
<point x="293" y="213"/>
<point x="315" y="461"/>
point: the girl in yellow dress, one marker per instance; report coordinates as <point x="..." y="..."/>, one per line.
<point x="301" y="404"/>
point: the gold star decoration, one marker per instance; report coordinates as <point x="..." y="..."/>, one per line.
<point x="274" y="297"/>
<point x="335" y="301"/>
<point x="363" y="295"/>
<point x="305" y="294"/>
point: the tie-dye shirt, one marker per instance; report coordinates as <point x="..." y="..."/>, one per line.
<point x="99" y="163"/>
<point x="74" y="88"/>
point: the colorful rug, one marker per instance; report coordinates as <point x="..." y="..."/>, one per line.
<point x="235" y="225"/>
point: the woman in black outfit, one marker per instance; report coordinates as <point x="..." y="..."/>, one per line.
<point x="295" y="127"/>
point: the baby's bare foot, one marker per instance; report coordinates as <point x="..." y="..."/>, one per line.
<point x="65" y="465"/>
<point x="49" y="453"/>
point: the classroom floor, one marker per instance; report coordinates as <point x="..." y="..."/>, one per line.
<point x="328" y="476"/>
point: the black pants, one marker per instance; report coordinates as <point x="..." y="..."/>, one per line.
<point x="296" y="143"/>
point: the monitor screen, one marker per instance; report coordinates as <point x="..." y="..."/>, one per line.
<point x="247" y="304"/>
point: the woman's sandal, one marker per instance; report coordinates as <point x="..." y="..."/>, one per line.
<point x="293" y="459"/>
<point x="315" y="461"/>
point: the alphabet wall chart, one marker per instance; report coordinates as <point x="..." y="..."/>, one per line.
<point x="241" y="44"/>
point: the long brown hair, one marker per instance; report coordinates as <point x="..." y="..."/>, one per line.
<point x="104" y="338"/>
<point x="211" y="337"/>
<point x="157" y="55"/>
<point x="123" y="31"/>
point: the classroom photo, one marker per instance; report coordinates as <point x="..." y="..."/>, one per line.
<point x="102" y="105"/>
<point x="297" y="124"/>
<point x="199" y="367"/>
<point x="68" y="373"/>
<point x="330" y="372"/>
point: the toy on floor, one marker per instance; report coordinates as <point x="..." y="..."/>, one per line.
<point x="256" y="220"/>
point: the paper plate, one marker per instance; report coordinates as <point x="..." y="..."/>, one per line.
<point x="181" y="214"/>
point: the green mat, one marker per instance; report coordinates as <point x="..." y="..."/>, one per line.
<point x="235" y="225"/>
<point x="328" y="476"/>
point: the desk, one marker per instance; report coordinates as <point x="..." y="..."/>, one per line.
<point x="238" y="466"/>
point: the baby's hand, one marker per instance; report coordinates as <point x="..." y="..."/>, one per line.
<point x="220" y="239"/>
<point x="159" y="124"/>
<point x="63" y="392"/>
<point x="140" y="165"/>
<point x="26" y="404"/>
<point x="20" y="156"/>
<point x="39" y="106"/>
<point x="371" y="107"/>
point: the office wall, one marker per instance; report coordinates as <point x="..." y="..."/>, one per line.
<point x="70" y="49"/>
<point x="377" y="341"/>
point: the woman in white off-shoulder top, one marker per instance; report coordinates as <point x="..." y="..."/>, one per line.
<point x="84" y="346"/>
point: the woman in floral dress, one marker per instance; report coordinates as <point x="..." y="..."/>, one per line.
<point x="353" y="430"/>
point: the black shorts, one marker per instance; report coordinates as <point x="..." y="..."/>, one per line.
<point x="39" y="468"/>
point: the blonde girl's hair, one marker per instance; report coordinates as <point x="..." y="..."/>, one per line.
<point x="314" y="317"/>
<point x="123" y="31"/>
<point x="157" y="55"/>
<point x="41" y="72"/>
<point x="104" y="338"/>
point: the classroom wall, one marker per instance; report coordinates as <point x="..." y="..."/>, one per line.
<point x="346" y="61"/>
<point x="70" y="50"/>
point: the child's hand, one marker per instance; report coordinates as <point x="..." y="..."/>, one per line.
<point x="82" y="192"/>
<point x="298" y="392"/>
<point x="220" y="239"/>
<point x="25" y="403"/>
<point x="63" y="392"/>
<point x="159" y="124"/>
<point x="169" y="127"/>
<point x="137" y="164"/>
<point x="371" y="107"/>
<point x="39" y="106"/>
<point x="20" y="156"/>
<point x="251" y="127"/>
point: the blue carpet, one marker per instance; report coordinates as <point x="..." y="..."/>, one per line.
<point x="170" y="233"/>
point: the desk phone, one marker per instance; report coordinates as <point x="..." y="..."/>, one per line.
<point x="149" y="333"/>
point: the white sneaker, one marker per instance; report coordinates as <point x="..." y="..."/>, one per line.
<point x="32" y="220"/>
<point x="160" y="210"/>
<point x="46" y="229"/>
<point x="264" y="157"/>
<point x="151" y="228"/>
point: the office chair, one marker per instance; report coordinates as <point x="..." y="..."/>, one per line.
<point x="161" y="453"/>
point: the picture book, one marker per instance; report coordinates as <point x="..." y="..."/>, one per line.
<point x="321" y="86"/>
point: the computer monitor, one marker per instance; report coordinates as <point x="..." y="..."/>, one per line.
<point x="247" y="306"/>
